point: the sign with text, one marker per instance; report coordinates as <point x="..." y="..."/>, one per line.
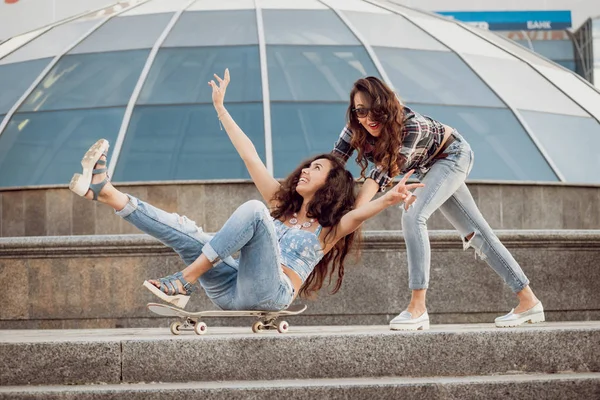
<point x="514" y="20"/>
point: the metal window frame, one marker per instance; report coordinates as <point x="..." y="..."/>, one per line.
<point x="364" y="42"/>
<point x="8" y="116"/>
<point x="264" y="76"/>
<point x="397" y="9"/>
<point x="474" y="31"/>
<point x="139" y="86"/>
<point x="539" y="72"/>
<point x="45" y="29"/>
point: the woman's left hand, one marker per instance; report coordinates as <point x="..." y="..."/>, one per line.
<point x="402" y="192"/>
<point x="218" y="91"/>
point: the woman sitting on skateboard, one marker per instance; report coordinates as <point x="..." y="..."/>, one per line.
<point x="286" y="249"/>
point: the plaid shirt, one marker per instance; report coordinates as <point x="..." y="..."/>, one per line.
<point x="421" y="138"/>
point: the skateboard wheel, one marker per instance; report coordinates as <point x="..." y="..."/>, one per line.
<point x="257" y="327"/>
<point x="283" y="326"/>
<point x="200" y="328"/>
<point x="175" y="327"/>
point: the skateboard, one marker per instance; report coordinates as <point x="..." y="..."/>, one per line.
<point x="192" y="321"/>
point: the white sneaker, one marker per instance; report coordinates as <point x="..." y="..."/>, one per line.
<point x="404" y="322"/>
<point x="512" y="319"/>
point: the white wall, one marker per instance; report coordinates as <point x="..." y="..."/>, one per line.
<point x="27" y="15"/>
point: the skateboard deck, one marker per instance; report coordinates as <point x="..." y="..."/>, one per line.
<point x="193" y="320"/>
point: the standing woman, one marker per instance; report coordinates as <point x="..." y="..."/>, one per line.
<point x="397" y="139"/>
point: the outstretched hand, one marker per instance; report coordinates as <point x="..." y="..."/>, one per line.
<point x="402" y="192"/>
<point x="218" y="91"/>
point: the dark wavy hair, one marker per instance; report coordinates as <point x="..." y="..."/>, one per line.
<point x="329" y="204"/>
<point x="386" y="109"/>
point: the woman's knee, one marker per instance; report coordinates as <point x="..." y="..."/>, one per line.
<point x="252" y="208"/>
<point x="413" y="217"/>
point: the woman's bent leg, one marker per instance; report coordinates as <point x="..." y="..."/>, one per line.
<point x="462" y="212"/>
<point x="260" y="283"/>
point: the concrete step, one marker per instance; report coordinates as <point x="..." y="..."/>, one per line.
<point x="59" y="357"/>
<point x="524" y="387"/>
<point x="95" y="281"/>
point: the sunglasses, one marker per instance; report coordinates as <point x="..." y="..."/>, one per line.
<point x="361" y="112"/>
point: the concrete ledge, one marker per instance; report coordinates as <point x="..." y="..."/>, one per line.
<point x="227" y="354"/>
<point x="55" y="210"/>
<point x="525" y="387"/>
<point x="141" y="244"/>
<point x="95" y="281"/>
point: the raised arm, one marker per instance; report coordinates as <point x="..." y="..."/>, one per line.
<point x="264" y="181"/>
<point x="399" y="193"/>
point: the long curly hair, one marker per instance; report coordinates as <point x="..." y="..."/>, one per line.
<point x="329" y="204"/>
<point x="386" y="109"/>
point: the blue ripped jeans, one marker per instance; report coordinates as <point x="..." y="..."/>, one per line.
<point x="445" y="189"/>
<point x="254" y="281"/>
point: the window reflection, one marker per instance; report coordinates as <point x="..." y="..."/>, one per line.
<point x="503" y="150"/>
<point x="88" y="80"/>
<point x="578" y="158"/>
<point x="316" y="73"/>
<point x="181" y="75"/>
<point x="15" y="79"/>
<point x="185" y="142"/>
<point x="46" y="148"/>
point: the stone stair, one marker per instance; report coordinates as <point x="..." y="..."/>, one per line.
<point x="95" y="281"/>
<point x="552" y="360"/>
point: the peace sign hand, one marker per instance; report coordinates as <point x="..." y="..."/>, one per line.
<point x="218" y="91"/>
<point x="402" y="191"/>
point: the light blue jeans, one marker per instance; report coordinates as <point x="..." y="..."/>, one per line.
<point x="445" y="189"/>
<point x="254" y="281"/>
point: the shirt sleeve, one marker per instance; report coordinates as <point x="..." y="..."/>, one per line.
<point x="412" y="136"/>
<point x="343" y="147"/>
<point x="380" y="176"/>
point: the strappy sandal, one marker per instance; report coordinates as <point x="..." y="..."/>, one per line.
<point x="81" y="183"/>
<point x="169" y="290"/>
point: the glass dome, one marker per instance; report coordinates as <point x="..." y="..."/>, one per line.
<point x="136" y="74"/>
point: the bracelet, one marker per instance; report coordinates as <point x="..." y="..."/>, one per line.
<point x="219" y="117"/>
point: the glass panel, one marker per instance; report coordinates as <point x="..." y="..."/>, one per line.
<point x="522" y="86"/>
<point x="458" y="39"/>
<point x="46" y="148"/>
<point x="293" y="4"/>
<point x="157" y="7"/>
<point x="512" y="47"/>
<point x="503" y="150"/>
<point x="392" y="30"/>
<point x="14" y="43"/>
<point x="321" y="73"/>
<point x="356" y="5"/>
<point x="582" y="92"/>
<point x="234" y="27"/>
<point x="88" y="80"/>
<point x="202" y="5"/>
<point x="125" y="33"/>
<point x="304" y="130"/>
<point x="181" y="75"/>
<point x="434" y="77"/>
<point x="15" y="79"/>
<point x="572" y="143"/>
<point x="51" y="43"/>
<point x="552" y="49"/>
<point x="185" y="142"/>
<point x="306" y="27"/>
